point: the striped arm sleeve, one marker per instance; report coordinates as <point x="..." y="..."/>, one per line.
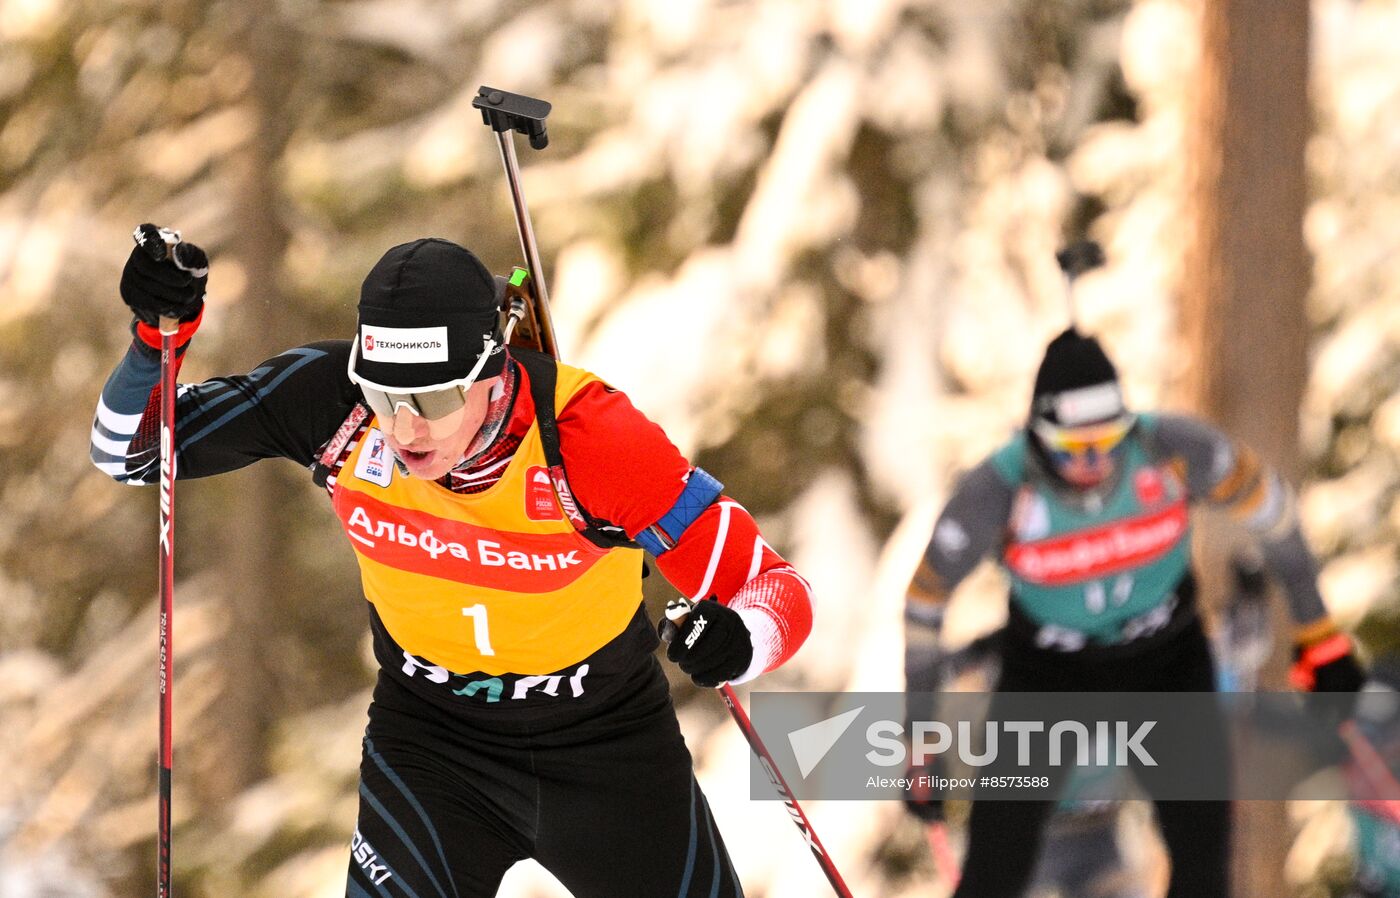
<point x="970" y="527"/>
<point x="122" y="444"/>
<point x="1231" y="476"/>
<point x="722" y="554"/>
<point x="287" y="407"/>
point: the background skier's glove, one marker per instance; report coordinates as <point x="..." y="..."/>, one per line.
<point x="712" y="645"/>
<point x="157" y="282"/>
<point x="1326" y="665"/>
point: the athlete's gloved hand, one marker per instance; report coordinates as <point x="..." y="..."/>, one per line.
<point x="920" y="797"/>
<point x="158" y="283"/>
<point x="1326" y="665"/>
<point x="712" y="644"/>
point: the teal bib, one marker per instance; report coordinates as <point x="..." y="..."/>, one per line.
<point x="1377" y="853"/>
<point x="1103" y="571"/>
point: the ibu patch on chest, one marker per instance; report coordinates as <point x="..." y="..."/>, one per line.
<point x="1030" y="516"/>
<point x="539" y="496"/>
<point x="376" y="462"/>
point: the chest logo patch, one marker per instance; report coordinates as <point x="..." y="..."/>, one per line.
<point x="539" y="495"/>
<point x="1149" y="486"/>
<point x="376" y="464"/>
<point x="1030" y="518"/>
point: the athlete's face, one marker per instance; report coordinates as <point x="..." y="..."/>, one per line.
<point x="1088" y="470"/>
<point x="430" y="449"/>
<point x="1084" y="457"/>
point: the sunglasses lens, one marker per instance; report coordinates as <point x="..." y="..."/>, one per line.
<point x="440" y="403"/>
<point x="1076" y="442"/>
<point x="379" y="402"/>
<point x="432" y="406"/>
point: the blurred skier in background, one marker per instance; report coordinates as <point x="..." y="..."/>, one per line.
<point x="1086" y="471"/>
<point x="1083" y="855"/>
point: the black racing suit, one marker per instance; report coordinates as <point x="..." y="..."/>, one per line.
<point x="599" y="790"/>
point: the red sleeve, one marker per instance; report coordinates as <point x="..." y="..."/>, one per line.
<point x="624" y="469"/>
<point x="621" y="466"/>
<point x="722" y="554"/>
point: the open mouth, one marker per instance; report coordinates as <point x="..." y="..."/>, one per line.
<point x="411" y="456"/>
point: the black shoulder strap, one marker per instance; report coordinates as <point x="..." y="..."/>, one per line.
<point x="543" y="374"/>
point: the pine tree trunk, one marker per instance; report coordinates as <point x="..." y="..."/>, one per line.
<point x="1246" y="284"/>
<point x="258" y="533"/>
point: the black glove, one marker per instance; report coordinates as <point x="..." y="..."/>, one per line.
<point x="154" y="284"/>
<point x="1327" y="666"/>
<point x="1341" y="675"/>
<point x="920" y="798"/>
<point x="712" y="645"/>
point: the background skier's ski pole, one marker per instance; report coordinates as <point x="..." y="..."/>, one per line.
<point x="676" y="612"/>
<point x="1075" y="260"/>
<point x="943" y="858"/>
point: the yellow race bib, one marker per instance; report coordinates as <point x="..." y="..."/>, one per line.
<point x="497" y="581"/>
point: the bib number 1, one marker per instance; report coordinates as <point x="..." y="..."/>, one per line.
<point x="482" y="632"/>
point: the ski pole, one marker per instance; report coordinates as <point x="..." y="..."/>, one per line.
<point x="168" y="328"/>
<point x="676" y="612"/>
<point x="943" y="858"/>
<point x="505" y="113"/>
<point x="166" y="564"/>
<point x="1074" y="260"/>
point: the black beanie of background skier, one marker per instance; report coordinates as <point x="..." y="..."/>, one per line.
<point x="428" y="311"/>
<point x="1076" y="383"/>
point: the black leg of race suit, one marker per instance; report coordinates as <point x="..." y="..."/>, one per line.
<point x="665" y="841"/>
<point x="1004" y="837"/>
<point x="609" y="806"/>
<point x="423" y="831"/>
<point x="1003" y="842"/>
<point x="1197" y="833"/>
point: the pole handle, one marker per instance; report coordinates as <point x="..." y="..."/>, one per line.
<point x="505" y="111"/>
<point x="677" y="610"/>
<point x="171" y="238"/>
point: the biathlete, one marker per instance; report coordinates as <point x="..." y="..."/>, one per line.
<point x="1080" y="854"/>
<point x="498" y="504"/>
<point x="1086" y="509"/>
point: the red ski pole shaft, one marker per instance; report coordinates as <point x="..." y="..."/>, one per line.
<point x="676" y="612"/>
<point x="168" y="328"/>
<point x="163" y="245"/>
<point x="799" y="818"/>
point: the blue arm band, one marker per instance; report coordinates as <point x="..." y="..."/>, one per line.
<point x="701" y="490"/>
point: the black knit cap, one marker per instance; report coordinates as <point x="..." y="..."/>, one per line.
<point x="1072" y="361"/>
<point x="427" y="311"/>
